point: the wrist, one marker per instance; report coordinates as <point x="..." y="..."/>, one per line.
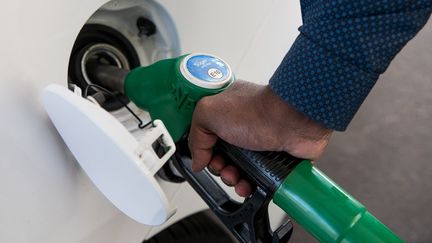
<point x="296" y="133"/>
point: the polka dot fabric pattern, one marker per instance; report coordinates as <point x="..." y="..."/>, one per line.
<point x="342" y="49"/>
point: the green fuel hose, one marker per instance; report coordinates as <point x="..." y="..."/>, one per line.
<point x="326" y="211"/>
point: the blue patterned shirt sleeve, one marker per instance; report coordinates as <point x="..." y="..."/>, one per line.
<point x="342" y="48"/>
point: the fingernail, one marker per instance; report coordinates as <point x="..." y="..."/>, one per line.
<point x="213" y="171"/>
<point x="228" y="183"/>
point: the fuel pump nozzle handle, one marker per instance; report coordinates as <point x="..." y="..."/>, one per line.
<point x="169" y="90"/>
<point x="306" y="194"/>
<point x="248" y="221"/>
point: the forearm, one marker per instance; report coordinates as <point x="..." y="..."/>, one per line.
<point x="340" y="53"/>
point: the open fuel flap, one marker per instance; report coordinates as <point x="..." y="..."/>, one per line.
<point x="121" y="166"/>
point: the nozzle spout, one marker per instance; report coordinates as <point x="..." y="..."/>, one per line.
<point x="108" y="76"/>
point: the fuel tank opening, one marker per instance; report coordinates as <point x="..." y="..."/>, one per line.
<point x="101" y="55"/>
<point x="125" y="35"/>
<point x="96" y="45"/>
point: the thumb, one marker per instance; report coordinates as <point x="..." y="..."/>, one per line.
<point x="201" y="143"/>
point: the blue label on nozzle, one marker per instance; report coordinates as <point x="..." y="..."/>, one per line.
<point x="207" y="68"/>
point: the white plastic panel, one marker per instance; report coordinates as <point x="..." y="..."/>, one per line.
<point x="107" y="152"/>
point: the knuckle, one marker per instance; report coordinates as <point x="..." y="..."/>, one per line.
<point x="204" y="103"/>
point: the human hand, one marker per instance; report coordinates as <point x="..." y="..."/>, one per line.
<point x="253" y="117"/>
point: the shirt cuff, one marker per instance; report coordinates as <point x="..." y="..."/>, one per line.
<point x="323" y="86"/>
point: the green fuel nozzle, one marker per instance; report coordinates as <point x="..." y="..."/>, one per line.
<point x="169" y="90"/>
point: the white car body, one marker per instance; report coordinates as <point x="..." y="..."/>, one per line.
<point x="44" y="194"/>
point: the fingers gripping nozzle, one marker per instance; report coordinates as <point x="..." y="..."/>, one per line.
<point x="248" y="221"/>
